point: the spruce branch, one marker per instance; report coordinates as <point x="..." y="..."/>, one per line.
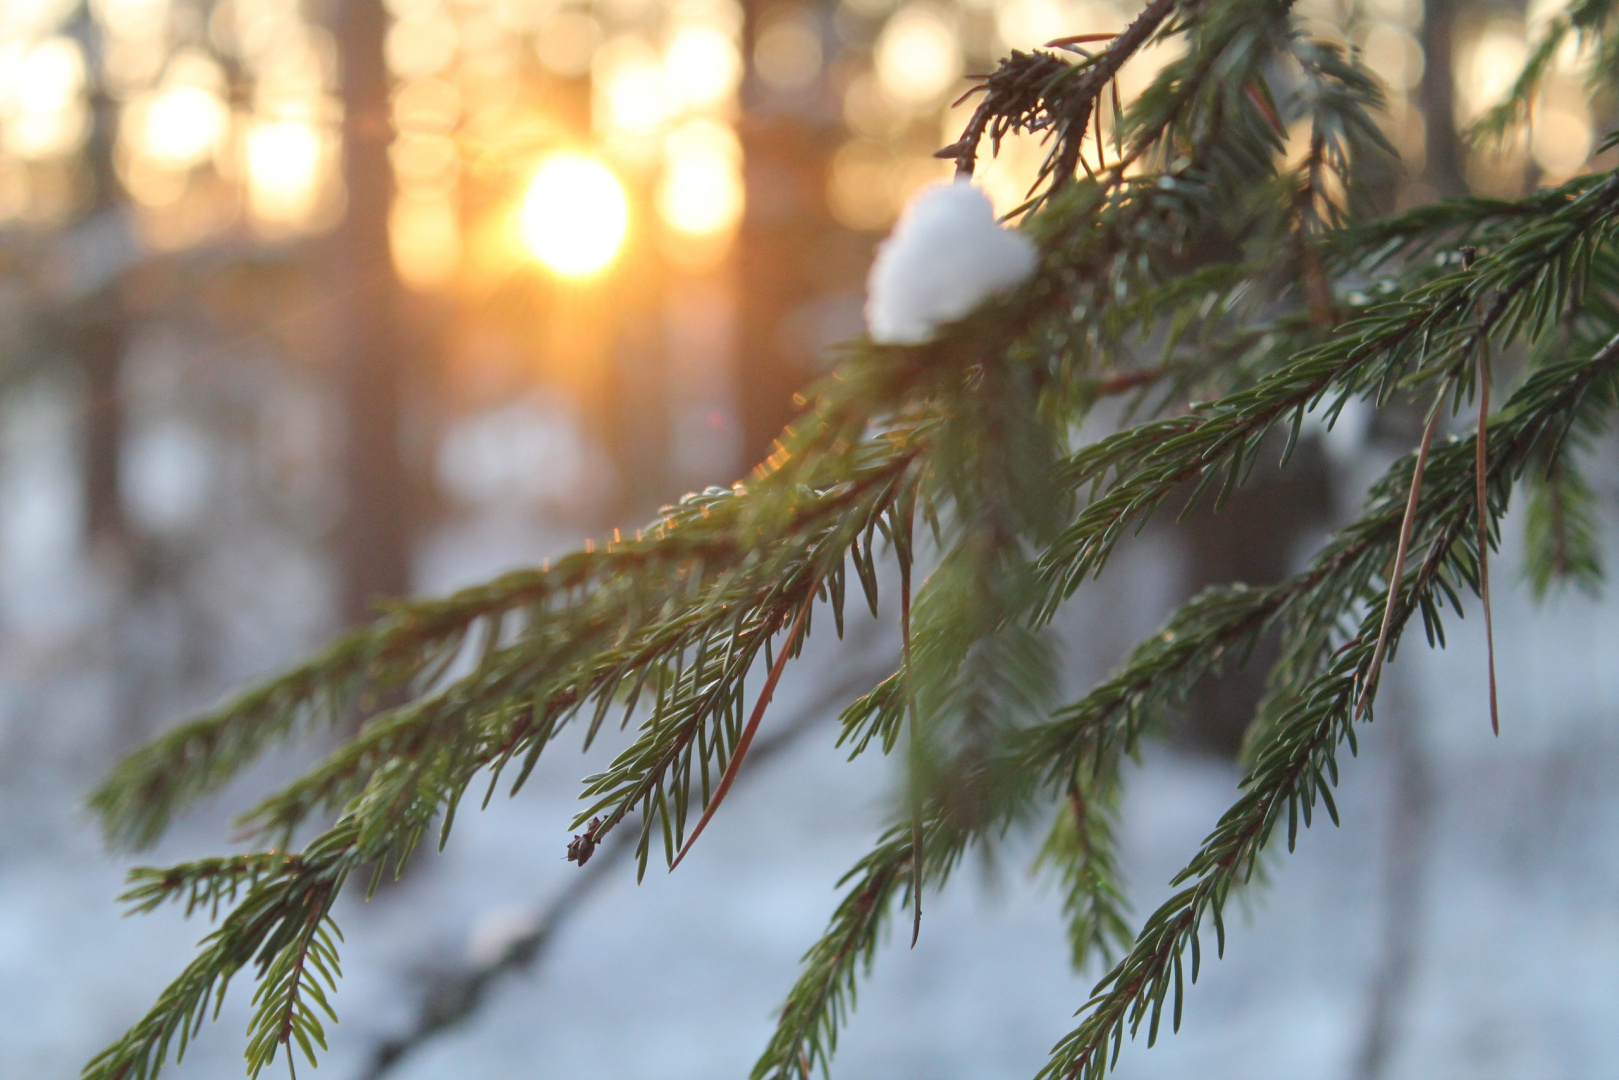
<point x="973" y="430"/>
<point x="414" y="763"/>
<point x="1435" y="327"/>
<point x="1298" y="764"/>
<point x="1088" y="739"/>
<point x="1481" y="471"/>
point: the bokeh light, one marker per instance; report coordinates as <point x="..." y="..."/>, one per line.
<point x="567" y="41"/>
<point x="1393" y="53"/>
<point x="701" y="191"/>
<point x="1490" y="64"/>
<point x="1029" y="24"/>
<point x="702" y="66"/>
<point x="1560" y="140"/>
<point x="574" y="216"/>
<point x="426" y="238"/>
<point x="285" y="161"/>
<point x="422" y="45"/>
<point x="427" y="106"/>
<point x="870" y="183"/>
<point x="787" y="55"/>
<point x="918" y="56"/>
<point x="627" y="74"/>
<point x="42" y="103"/>
<point x="50" y="75"/>
<point x="426" y="164"/>
<point x="179" y="126"/>
<point x="868" y="110"/>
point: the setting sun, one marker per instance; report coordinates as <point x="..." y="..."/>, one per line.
<point x="574" y="216"/>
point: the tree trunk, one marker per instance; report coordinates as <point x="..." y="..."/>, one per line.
<point x="374" y="535"/>
<point x="786" y="149"/>
<point x="99" y="327"/>
<point x="638" y="429"/>
<point x="98" y="348"/>
<point x="1445" y="171"/>
<point x="784" y="170"/>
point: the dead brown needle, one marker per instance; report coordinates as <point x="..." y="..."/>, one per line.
<point x="746" y="740"/>
<point x="1078" y="39"/>
<point x="1376" y="666"/>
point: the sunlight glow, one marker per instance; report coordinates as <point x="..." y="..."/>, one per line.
<point x="574" y="216"/>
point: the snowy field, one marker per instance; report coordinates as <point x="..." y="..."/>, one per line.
<point x="1493" y="953"/>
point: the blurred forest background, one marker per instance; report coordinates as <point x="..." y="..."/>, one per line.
<point x="304" y="305"/>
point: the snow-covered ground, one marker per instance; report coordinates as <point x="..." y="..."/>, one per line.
<point x="1505" y="961"/>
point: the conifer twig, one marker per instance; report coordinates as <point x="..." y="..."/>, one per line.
<point x="1375" y="668"/>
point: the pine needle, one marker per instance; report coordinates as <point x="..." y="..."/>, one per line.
<point x="916" y="751"/>
<point x="1481" y="464"/>
<point x="1484" y="527"/>
<point x="1375" y="668"/>
<point x="743" y="743"/>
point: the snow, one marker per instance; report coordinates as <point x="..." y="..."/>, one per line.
<point x="946" y="256"/>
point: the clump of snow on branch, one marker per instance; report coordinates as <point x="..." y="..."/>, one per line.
<point x="946" y="256"/>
